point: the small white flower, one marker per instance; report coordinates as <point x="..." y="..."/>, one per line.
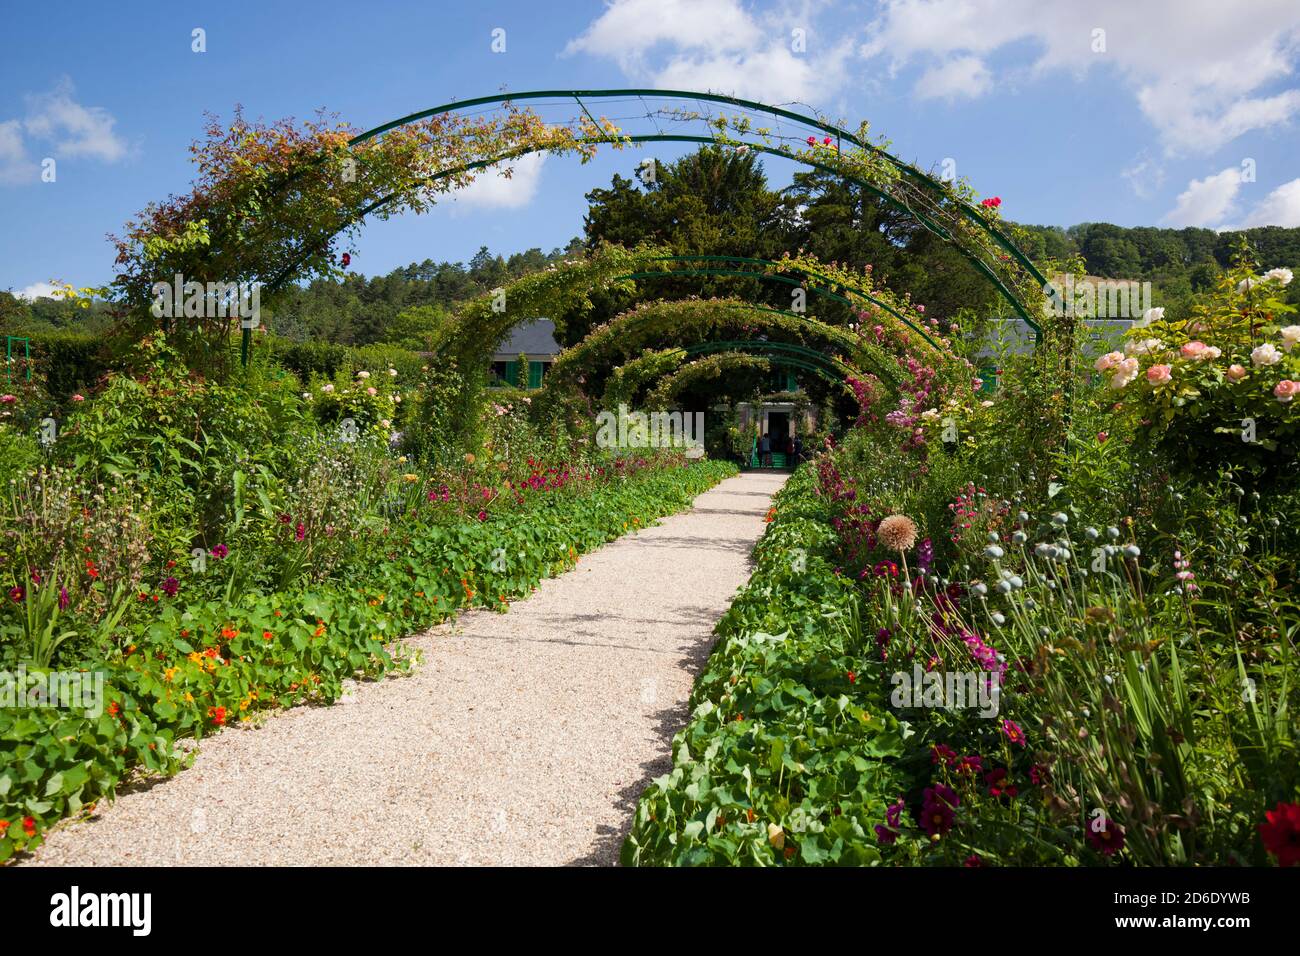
<point x="1266" y="354"/>
<point x="986" y="404"/>
<point x="1282" y="276"/>
<point x="1245" y="284"/>
<point x="1290" y="337"/>
<point x="392" y="373"/>
<point x="363" y="374"/>
<point x="327" y="387"/>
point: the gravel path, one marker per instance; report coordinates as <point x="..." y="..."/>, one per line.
<point x="524" y="738"/>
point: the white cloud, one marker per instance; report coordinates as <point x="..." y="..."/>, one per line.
<point x="15" y="165"/>
<point x="1281" y="207"/>
<point x="717" y="46"/>
<point x="1145" y="176"/>
<point x="1205" y="201"/>
<point x="1211" y="203"/>
<point x="74" y="129"/>
<point x="963" y="76"/>
<point x="491" y="190"/>
<point x="37" y="290"/>
<point x="58" y="126"/>
<point x="1200" y="70"/>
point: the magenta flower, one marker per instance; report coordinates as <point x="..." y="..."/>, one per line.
<point x="482" y="516"/>
<point x="937" y="817"/>
<point x="170" y="587"/>
<point x="16" y="594"/>
<point x="1011" y="730"/>
<point x="1107" y="839"/>
<point x="1000" y="783"/>
<point x="220" y="551"/>
<point x="943" y="752"/>
<point x="64" y="601"/>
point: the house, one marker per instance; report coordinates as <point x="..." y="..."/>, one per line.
<point x="535" y="340"/>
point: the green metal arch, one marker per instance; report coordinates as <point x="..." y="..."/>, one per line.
<point x="844" y="368"/>
<point x="911" y="172"/>
<point x="781" y="353"/>
<point x="770" y="277"/>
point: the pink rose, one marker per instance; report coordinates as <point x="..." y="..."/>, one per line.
<point x="1286" y="390"/>
<point x="1109" y="361"/>
<point x="1158" y="373"/>
<point x="8" y="399"/>
<point x="78" y="398"/>
<point x="1235" y="373"/>
<point x="1199" y="351"/>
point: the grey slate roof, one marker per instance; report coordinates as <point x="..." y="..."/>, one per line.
<point x="535" y="338"/>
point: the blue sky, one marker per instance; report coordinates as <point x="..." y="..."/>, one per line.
<point x="1180" y="112"/>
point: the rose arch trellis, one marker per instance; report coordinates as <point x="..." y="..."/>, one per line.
<point x="271" y="202"/>
<point x="567" y="122"/>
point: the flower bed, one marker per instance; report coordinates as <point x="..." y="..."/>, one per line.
<point x="191" y="667"/>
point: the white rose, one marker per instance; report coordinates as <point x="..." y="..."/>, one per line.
<point x="327" y="388"/>
<point x="1125" y="372"/>
<point x="392" y="373"/>
<point x="1150" y="315"/>
<point x="1245" y="284"/>
<point x="1290" y="337"/>
<point x="363" y="374"/>
<point x="1266" y="354"/>
<point x="1281" y="275"/>
<point x="307" y="395"/>
<point x="1143" y="347"/>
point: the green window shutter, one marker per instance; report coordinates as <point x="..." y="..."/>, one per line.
<point x="534" y="374"/>
<point x="512" y="370"/>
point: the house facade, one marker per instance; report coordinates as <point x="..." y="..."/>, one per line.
<point x="535" y="341"/>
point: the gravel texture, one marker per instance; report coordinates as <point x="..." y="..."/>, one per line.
<point x="524" y="738"/>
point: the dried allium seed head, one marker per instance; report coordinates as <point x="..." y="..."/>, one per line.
<point x="897" y="533"/>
